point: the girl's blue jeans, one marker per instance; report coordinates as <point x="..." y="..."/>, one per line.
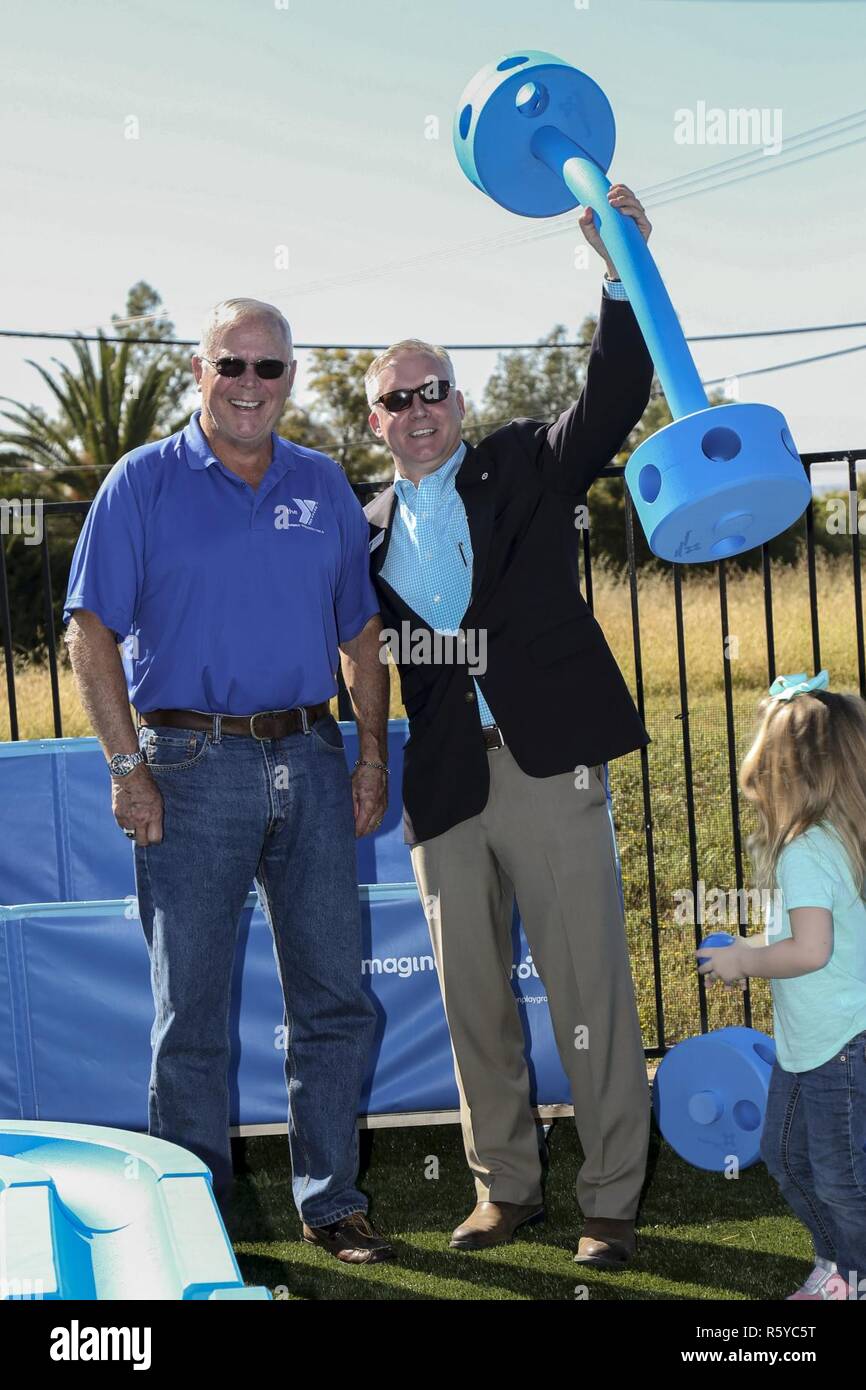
<point x="814" y="1144"/>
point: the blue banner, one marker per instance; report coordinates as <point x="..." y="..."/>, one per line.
<point x="75" y="1001"/>
<point x="61" y="843"/>
<point x="76" y="1012"/>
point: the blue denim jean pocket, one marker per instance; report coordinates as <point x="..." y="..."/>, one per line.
<point x="172" y="750"/>
<point x="855" y="1050"/>
<point x="328" y="732"/>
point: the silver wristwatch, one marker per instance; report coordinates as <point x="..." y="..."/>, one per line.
<point x="123" y="763"/>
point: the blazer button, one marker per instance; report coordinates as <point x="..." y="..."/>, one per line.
<point x="469" y="696"/>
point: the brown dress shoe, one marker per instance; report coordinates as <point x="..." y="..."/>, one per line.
<point x="494" y="1223"/>
<point x="352" y="1240"/>
<point x="606" y="1243"/>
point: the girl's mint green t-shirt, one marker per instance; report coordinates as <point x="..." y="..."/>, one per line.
<point x="815" y="1015"/>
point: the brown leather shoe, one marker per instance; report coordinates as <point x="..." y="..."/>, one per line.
<point x="606" y="1243"/>
<point x="494" y="1223"/>
<point x="352" y="1240"/>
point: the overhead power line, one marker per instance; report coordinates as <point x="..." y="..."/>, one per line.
<point x="715" y="381"/>
<point x="741" y="178"/>
<point x="784" y="366"/>
<point x="814" y="135"/>
<point x="451" y="347"/>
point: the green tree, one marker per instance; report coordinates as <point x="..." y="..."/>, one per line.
<point x="537" y="383"/>
<point x="102" y="413"/>
<point x="143" y="324"/>
<point x="24" y="559"/>
<point x="339" y="405"/>
<point x="299" y="426"/>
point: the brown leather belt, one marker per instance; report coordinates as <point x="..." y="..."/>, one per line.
<point x="271" y="723"/>
<point x="492" y="735"/>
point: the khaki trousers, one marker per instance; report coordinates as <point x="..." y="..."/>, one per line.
<point x="549" y="840"/>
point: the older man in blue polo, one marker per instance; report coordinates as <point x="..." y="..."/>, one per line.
<point x="233" y="566"/>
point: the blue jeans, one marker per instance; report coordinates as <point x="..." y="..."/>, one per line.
<point x="814" y="1144"/>
<point x="277" y="811"/>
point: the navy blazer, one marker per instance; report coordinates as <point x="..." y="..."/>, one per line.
<point x="551" y="681"/>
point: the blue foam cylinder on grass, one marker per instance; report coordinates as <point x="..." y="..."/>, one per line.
<point x="710" y="1097"/>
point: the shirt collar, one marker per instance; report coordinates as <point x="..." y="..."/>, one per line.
<point x="436" y="484"/>
<point x="199" y="453"/>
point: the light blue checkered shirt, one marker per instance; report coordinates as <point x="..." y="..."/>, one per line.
<point x="429" y="560"/>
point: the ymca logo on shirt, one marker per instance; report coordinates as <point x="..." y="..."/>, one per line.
<point x="301" y="514"/>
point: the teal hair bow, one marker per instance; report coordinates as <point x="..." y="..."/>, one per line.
<point x="786" y="687"/>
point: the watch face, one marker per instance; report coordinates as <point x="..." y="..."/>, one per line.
<point x="122" y="763"/>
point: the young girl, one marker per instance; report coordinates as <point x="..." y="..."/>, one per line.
<point x="806" y="774"/>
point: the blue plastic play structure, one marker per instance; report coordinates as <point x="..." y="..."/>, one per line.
<point x="94" y="1213"/>
<point x="537" y="137"/>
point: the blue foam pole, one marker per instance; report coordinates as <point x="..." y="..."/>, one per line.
<point x="644" y="285"/>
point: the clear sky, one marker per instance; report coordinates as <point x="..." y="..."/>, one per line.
<point x="304" y="124"/>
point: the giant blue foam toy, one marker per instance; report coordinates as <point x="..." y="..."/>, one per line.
<point x="94" y="1213"/>
<point x="537" y="136"/>
<point x="710" y="1096"/>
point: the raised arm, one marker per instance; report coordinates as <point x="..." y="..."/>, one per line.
<point x="618" y="375"/>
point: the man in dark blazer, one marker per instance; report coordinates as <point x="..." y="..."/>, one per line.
<point x="503" y="786"/>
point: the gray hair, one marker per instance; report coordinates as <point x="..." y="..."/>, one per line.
<point x="378" y="365"/>
<point x="232" y="311"/>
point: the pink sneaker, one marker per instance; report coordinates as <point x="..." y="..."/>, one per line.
<point x="835" y="1289"/>
<point x="821" y="1272"/>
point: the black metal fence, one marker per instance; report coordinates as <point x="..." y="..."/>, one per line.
<point x="672" y="997"/>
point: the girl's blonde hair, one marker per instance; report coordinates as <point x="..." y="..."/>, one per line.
<point x="806" y="765"/>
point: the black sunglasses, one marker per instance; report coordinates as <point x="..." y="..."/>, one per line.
<point x="268" y="368"/>
<point x="395" y="401"/>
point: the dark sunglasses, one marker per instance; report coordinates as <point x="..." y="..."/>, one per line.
<point x="268" y="368"/>
<point x="395" y="401"/>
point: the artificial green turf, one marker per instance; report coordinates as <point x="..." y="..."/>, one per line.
<point x="700" y="1235"/>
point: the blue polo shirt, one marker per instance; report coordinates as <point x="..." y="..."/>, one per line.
<point x="226" y="599"/>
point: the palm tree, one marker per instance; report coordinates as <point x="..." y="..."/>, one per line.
<point x="103" y="413"/>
